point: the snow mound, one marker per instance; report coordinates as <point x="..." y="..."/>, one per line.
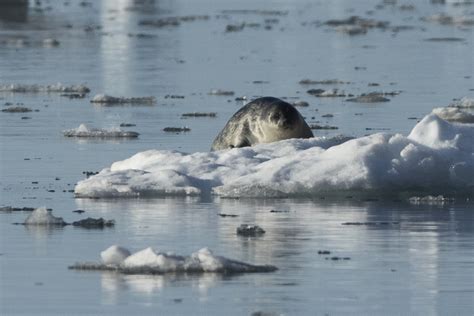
<point x="34" y="88"/>
<point x="437" y="157"/>
<point x="84" y="131"/>
<point x="148" y="261"/>
<point x="42" y="217"/>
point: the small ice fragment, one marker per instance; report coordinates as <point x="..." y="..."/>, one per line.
<point x="84" y="131"/>
<point x="41" y="216"/>
<point x="34" y="88"/>
<point x="221" y="92"/>
<point x="250" y="230"/>
<point x="50" y="42"/>
<point x="107" y="99"/>
<point x="114" y="255"/>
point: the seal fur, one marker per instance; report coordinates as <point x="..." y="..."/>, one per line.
<point x="263" y="120"/>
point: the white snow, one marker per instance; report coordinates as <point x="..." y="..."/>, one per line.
<point x="84" y="131"/>
<point x="150" y="261"/>
<point x="114" y="255"/>
<point x="41" y="216"/>
<point x="437" y="157"/>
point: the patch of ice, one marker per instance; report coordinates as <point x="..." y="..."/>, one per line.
<point x="84" y="131"/>
<point x="34" y="88"/>
<point x="430" y="200"/>
<point x="436" y="158"/>
<point x="114" y="255"/>
<point x="454" y="114"/>
<point x="148" y="261"/>
<point x="41" y="216"/>
<point x="107" y="99"/>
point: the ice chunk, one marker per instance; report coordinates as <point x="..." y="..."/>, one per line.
<point x="41" y="216"/>
<point x="437" y="157"/>
<point x="84" y="131"/>
<point x="114" y="255"/>
<point x="148" y="261"/>
<point x="107" y="99"/>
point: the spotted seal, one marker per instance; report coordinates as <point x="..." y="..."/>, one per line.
<point x="263" y="120"/>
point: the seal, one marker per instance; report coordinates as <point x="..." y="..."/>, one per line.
<point x="263" y="120"/>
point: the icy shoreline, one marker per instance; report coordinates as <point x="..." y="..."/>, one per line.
<point x="437" y="157"/>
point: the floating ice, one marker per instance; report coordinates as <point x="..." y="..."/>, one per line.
<point x="454" y="114"/>
<point x="436" y="158"/>
<point x="107" y="99"/>
<point x="41" y="216"/>
<point x="148" y="261"/>
<point x="34" y="88"/>
<point x="84" y="131"/>
<point x="430" y="200"/>
<point x="114" y="255"/>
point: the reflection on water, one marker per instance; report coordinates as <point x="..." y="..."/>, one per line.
<point x="115" y="285"/>
<point x="400" y="248"/>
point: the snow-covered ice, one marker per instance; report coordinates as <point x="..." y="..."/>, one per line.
<point x="148" y="261"/>
<point x="114" y="255"/>
<point x="84" y="131"/>
<point x="41" y="216"/>
<point x="437" y="157"/>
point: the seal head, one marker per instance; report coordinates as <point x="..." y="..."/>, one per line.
<point x="263" y="120"/>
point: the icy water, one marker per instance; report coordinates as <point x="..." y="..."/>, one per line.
<point x="403" y="258"/>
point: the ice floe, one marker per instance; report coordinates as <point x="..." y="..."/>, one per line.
<point x="34" y="88"/>
<point x="148" y="261"/>
<point x="42" y="217"/>
<point x="84" y="131"/>
<point x="107" y="99"/>
<point x="437" y="157"/>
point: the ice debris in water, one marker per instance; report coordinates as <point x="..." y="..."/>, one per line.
<point x="429" y="199"/>
<point x="107" y="99"/>
<point x="250" y="230"/>
<point x="437" y="157"/>
<point x="41" y="216"/>
<point x="84" y="131"/>
<point x="454" y="114"/>
<point x="58" y="87"/>
<point x="148" y="261"/>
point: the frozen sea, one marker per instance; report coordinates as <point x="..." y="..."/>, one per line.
<point x="394" y="257"/>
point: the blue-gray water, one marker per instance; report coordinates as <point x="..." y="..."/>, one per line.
<point x="421" y="264"/>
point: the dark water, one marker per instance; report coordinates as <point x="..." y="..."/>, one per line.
<point x="406" y="259"/>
